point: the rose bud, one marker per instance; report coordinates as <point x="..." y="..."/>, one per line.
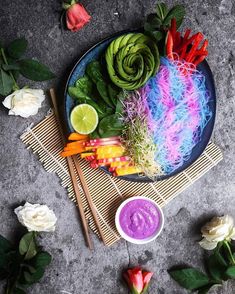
<point x="137" y="280"/>
<point x="76" y="16"/>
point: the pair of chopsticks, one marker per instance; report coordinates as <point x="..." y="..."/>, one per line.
<point x="73" y="162"/>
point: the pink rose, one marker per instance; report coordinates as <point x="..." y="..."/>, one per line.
<point x="76" y="16"/>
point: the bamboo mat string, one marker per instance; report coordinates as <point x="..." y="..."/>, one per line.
<point x="108" y="192"/>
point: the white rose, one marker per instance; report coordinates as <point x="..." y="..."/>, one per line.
<point x="24" y="102"/>
<point x="36" y="217"/>
<point x="218" y="229"/>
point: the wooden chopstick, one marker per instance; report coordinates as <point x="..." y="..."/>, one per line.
<point x="73" y="175"/>
<point x="88" y="197"/>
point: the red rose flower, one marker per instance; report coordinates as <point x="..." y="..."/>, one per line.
<point x="137" y="280"/>
<point x="76" y="16"/>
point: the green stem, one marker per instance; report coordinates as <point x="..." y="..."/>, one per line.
<point x="16" y="87"/>
<point x="227" y="246"/>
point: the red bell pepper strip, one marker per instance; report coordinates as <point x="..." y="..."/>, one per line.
<point x="169" y="46"/>
<point x="199" y="59"/>
<point x="197" y="40"/>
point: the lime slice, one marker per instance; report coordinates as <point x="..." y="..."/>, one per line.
<point x="84" y="119"/>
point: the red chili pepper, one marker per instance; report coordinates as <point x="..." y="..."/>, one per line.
<point x="197" y="40"/>
<point x="177" y="41"/>
<point x="186" y="35"/>
<point x="173" y="28"/>
<point x="204" y="45"/>
<point x="169" y="45"/>
<point x="199" y="59"/>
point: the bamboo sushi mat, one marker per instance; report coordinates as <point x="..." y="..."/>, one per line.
<point x="108" y="192"/>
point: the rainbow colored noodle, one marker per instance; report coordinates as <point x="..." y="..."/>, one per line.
<point x="175" y="105"/>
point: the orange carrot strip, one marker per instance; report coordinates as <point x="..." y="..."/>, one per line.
<point x="77" y="137"/>
<point x="76" y="144"/>
<point x="70" y="152"/>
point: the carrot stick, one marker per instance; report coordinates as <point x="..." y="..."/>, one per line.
<point x="70" y="152"/>
<point x="77" y="137"/>
<point x="76" y="144"/>
<point x="78" y="149"/>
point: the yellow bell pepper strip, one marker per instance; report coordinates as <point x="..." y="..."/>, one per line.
<point x="85" y="154"/>
<point x="123" y="171"/>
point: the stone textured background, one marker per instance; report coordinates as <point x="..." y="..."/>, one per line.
<point x="74" y="268"/>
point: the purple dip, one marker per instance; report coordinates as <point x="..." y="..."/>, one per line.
<point x="140" y="219"/>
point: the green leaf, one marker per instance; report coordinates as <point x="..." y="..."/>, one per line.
<point x="27" y="246"/>
<point x="42" y="259"/>
<point x="6" y="83"/>
<point x="189" y="278"/>
<point x="103" y="91"/>
<point x="34" y="70"/>
<point x="113" y="93"/>
<point x="154" y="21"/>
<point x="230" y="272"/>
<point x="161" y="10"/>
<point x="17" y="48"/>
<point x="94" y="71"/>
<point x="5" y="245"/>
<point x="32" y="278"/>
<point x="110" y="126"/>
<point x="177" y="12"/>
<point x="76" y="93"/>
<point x="85" y="85"/>
<point x="215" y="268"/>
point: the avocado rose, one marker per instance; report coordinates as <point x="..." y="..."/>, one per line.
<point x="131" y="60"/>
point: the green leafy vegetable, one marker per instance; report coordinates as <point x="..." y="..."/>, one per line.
<point x="157" y="24"/>
<point x="34" y="70"/>
<point x="111" y="125"/>
<point x="85" y="85"/>
<point x="82" y="97"/>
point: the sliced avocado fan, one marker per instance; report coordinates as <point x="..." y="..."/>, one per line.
<point x="131" y="60"/>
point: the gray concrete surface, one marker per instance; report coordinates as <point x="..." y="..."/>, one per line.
<point x="74" y="268"/>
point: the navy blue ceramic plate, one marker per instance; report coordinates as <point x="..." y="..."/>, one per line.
<point x="94" y="53"/>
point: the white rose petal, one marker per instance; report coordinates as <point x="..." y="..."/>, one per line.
<point x="24" y="102"/>
<point x="36" y="217"/>
<point x="208" y="245"/>
<point x="218" y="229"/>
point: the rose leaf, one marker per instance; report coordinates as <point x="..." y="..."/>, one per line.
<point x="34" y="70"/>
<point x="189" y="278"/>
<point x="28" y="246"/>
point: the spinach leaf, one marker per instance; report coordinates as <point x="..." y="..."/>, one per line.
<point x="85" y="85"/>
<point x="81" y="97"/>
<point x="111" y="125"/>
<point x="103" y="91"/>
<point x="94" y="71"/>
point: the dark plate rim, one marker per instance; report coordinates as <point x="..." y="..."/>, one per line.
<point x="142" y="179"/>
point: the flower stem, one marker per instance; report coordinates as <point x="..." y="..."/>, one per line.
<point x="16" y="87"/>
<point x="227" y="246"/>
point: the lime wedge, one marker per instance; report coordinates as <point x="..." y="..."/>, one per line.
<point x="84" y="119"/>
